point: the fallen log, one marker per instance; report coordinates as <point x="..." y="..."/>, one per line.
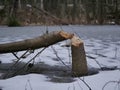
<point x="38" y="42"/>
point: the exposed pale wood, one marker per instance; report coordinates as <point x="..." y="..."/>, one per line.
<point x="35" y="43"/>
<point x="79" y="63"/>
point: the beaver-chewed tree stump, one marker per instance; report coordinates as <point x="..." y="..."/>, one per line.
<point x="79" y="64"/>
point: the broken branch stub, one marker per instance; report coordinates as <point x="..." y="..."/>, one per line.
<point x="35" y="43"/>
<point x="79" y="63"/>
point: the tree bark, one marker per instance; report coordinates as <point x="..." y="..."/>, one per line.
<point x="116" y="12"/>
<point x="41" y="5"/>
<point x="19" y="5"/>
<point x="100" y="16"/>
<point x="79" y="63"/>
<point x="38" y="42"/>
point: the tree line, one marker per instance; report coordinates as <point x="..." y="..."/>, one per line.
<point x="71" y="11"/>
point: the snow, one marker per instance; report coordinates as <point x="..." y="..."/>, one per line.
<point x="98" y="81"/>
<point x="37" y="82"/>
<point x="107" y="53"/>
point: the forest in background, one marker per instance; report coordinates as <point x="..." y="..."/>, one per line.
<point x="51" y="12"/>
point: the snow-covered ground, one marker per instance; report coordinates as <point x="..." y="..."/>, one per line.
<point x="99" y="52"/>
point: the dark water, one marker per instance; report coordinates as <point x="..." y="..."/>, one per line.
<point x="105" y="32"/>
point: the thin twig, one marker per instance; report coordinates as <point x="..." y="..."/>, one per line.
<point x="98" y="63"/>
<point x="15" y="55"/>
<point x="20" y="58"/>
<point x="95" y="61"/>
<point x="59" y="57"/>
<point x="118" y="82"/>
<point x="29" y="61"/>
<point x="68" y="88"/>
<point x="28" y="82"/>
<point x="73" y="86"/>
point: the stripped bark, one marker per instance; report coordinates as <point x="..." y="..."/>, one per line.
<point x="38" y="42"/>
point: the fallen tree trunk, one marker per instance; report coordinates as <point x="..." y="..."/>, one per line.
<point x="38" y="42"/>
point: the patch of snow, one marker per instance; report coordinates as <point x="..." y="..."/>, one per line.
<point x="37" y="82"/>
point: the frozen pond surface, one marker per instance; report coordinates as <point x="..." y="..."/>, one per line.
<point x="105" y="32"/>
<point x="102" y="45"/>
